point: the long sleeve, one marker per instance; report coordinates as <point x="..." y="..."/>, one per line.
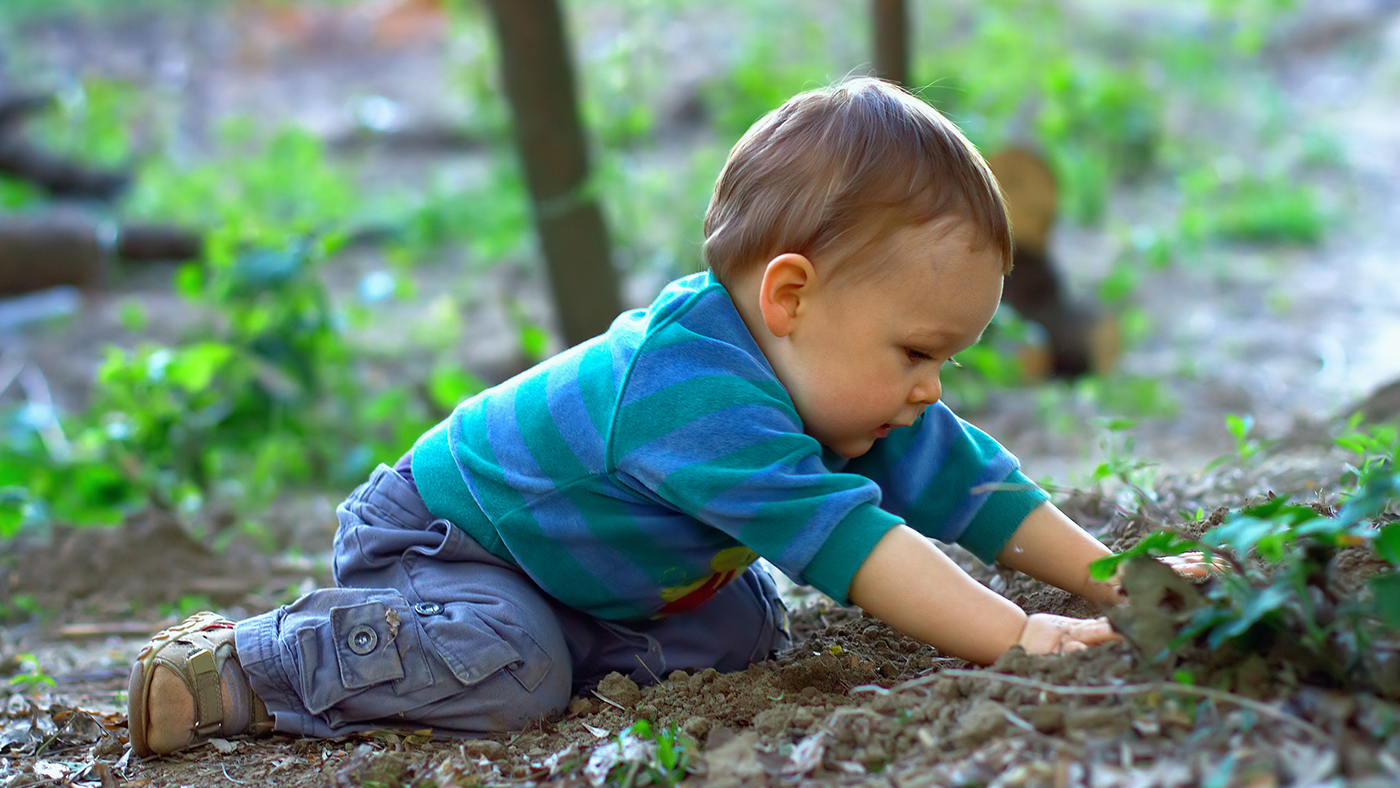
<point x="951" y="481"/>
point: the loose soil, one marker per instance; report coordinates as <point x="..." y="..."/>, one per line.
<point x="852" y="702"/>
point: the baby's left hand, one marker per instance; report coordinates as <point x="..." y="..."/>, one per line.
<point x="1194" y="564"/>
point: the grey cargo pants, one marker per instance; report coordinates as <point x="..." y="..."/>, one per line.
<point x="429" y="630"/>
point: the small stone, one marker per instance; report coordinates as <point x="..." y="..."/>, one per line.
<point x="771" y="722"/>
<point x="647" y="712"/>
<point x="1048" y="718"/>
<point x="620" y="690"/>
<point x="678" y="677"/>
<point x="874" y="756"/>
<point x="985" y="721"/>
<point x="803" y="717"/>
<point x="483" y="748"/>
<point x="1014" y="661"/>
<point x="581" y="706"/>
<point x="696" y="727"/>
<point x="1111" y="720"/>
<point x="887" y="704"/>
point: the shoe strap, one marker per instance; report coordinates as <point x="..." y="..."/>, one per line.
<point x="208" y="696"/>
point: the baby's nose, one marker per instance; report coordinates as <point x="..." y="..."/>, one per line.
<point x="926" y="392"/>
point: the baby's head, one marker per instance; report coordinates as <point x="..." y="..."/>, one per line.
<point x="863" y="240"/>
<point x="833" y="171"/>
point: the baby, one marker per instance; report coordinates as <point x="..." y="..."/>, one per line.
<point x="604" y="510"/>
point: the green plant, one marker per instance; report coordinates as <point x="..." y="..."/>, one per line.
<point x="1280" y="597"/>
<point x="186" y="605"/>
<point x="20" y="607"/>
<point x="1240" y="427"/>
<point x="1119" y="463"/>
<point x="640" y="755"/>
<point x="1377" y="447"/>
<point x="265" y="392"/>
<point x="31" y="675"/>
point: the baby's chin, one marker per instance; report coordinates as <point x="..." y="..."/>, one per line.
<point x="852" y="448"/>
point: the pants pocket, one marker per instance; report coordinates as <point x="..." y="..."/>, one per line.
<point x="474" y="646"/>
<point x="360" y="647"/>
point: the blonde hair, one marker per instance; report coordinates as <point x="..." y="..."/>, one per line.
<point x="841" y="165"/>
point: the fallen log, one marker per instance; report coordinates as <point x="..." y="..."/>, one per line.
<point x="18" y="106"/>
<point x="68" y="248"/>
<point x="60" y="177"/>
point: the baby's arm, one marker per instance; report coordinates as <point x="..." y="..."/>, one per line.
<point x="911" y="585"/>
<point x="1053" y="549"/>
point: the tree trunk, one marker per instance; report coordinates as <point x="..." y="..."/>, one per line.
<point x="890" y="20"/>
<point x="537" y="69"/>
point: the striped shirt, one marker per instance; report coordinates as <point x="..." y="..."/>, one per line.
<point x="637" y="473"/>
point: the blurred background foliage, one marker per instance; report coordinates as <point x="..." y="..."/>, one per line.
<point x="281" y="381"/>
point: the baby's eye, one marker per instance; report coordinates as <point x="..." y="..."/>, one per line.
<point x="917" y="355"/>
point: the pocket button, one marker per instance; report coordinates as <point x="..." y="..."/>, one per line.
<point x="362" y="640"/>
<point x="427" y="608"/>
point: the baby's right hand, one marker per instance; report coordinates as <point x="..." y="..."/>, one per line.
<point x="1049" y="634"/>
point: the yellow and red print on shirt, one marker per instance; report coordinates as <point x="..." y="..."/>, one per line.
<point x="727" y="564"/>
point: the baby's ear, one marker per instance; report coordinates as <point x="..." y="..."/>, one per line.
<point x="785" y="284"/>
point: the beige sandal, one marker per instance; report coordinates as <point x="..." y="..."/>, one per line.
<point x="199" y="650"/>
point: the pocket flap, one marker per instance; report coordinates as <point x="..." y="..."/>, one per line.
<point x="471" y="649"/>
<point x="364" y="644"/>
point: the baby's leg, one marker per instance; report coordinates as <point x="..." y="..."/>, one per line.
<point x="428" y="630"/>
<point x="745" y="622"/>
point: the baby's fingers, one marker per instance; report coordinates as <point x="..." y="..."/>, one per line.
<point x="1087" y="632"/>
<point x="1194" y="564"/>
<point x="1049" y="634"/>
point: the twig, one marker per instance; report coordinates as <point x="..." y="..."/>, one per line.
<point x="36" y="388"/>
<point x="648" y="667"/>
<point x="1025" y="725"/>
<point x="606" y="699"/>
<point x="58" y="732"/>
<point x="86" y="630"/>
<point x="224" y="766"/>
<point x="1128" y="689"/>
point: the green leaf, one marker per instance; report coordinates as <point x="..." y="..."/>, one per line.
<point x="193" y="368"/>
<point x="1387" y="590"/>
<point x="1260" y="604"/>
<point x="1104" y="568"/>
<point x="1161" y="542"/>
<point x="533" y="341"/>
<point x="449" y="384"/>
<point x="1388" y="543"/>
<point x="666" y="750"/>
<point x="1266" y="510"/>
<point x="189" y="281"/>
<point x="1239" y="426"/>
<point x="11" y="511"/>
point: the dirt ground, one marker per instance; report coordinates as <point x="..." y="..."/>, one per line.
<point x="1306" y="333"/>
<point x="852" y="702"/>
